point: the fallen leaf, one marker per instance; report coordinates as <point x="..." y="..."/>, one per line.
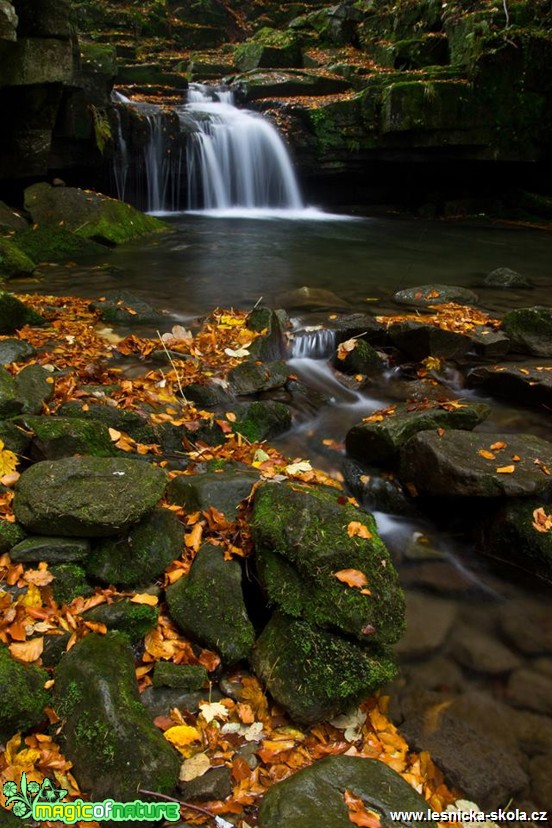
<point x="183" y="737"/>
<point x="114" y="434"/>
<point x="351" y="577"/>
<point x="355" y="527"/>
<point x="8" y="460"/>
<point x="506" y="469"/>
<point x="498" y="446"/>
<point x="194" y="767"/>
<point x="27" y="651"/>
<point x="299" y="467"/>
<point x="488" y="455"/>
<point x="213" y="710"/>
<point x="145" y="598"/>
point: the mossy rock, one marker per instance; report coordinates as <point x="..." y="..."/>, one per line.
<point x="270" y="324"/>
<point x="301" y="540"/>
<point x="13" y="260"/>
<point x="69" y="582"/>
<point x="23" y="695"/>
<point x="10" y="403"/>
<point x="11" y="219"/>
<point x="15" y="350"/>
<point x="530" y="330"/>
<point x="132" y="423"/>
<point x="362" y="359"/>
<point x="506" y="278"/>
<point x="510" y="536"/>
<point x="179" y="676"/>
<point x="106" y="732"/>
<point x="49" y="244"/>
<point x="141" y="555"/>
<point x="252" y="377"/>
<point x="261" y="420"/>
<point x="124" y="307"/>
<point x="14" y="314"/>
<point x="224" y="490"/>
<point x="12" y="436"/>
<point x="379" y="443"/>
<point x="424" y="296"/>
<point x="88" y="214"/>
<point x="269" y="48"/>
<point x="87" y="496"/>
<point x="57" y="437"/>
<point x="207" y="395"/>
<point x="10" y="535"/>
<point x="315" y="674"/>
<point x="51" y="550"/>
<point x="127" y="617"/>
<point x="418" y="340"/>
<point x="283" y="83"/>
<point x="34" y="386"/>
<point x="208" y="605"/>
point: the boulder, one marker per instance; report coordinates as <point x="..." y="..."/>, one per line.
<point x="253" y="377"/>
<point x="315" y="795"/>
<point x="55" y="437"/>
<point x="179" y="676"/>
<point x="303" y="537"/>
<point x="10" y="219"/>
<point x="10" y="404"/>
<point x="106" y="732"/>
<point x="51" y="550"/>
<point x="223" y="490"/>
<point x="452" y="464"/>
<point x="34" y="386"/>
<point x="315" y="674"/>
<point x="209" y="606"/>
<point x="286" y="83"/>
<point x="270" y="324"/>
<point x="425" y="296"/>
<point x="504" y="277"/>
<point x="269" y="48"/>
<point x="23" y="695"/>
<point x="69" y="582"/>
<point x="49" y="244"/>
<point x="141" y="555"/>
<point x="86" y="496"/>
<point x="124" y="307"/>
<point x="88" y="214"/>
<point x="510" y="535"/>
<point x="45" y="18"/>
<point x="15" y="350"/>
<point x="14" y="261"/>
<point x="525" y="382"/>
<point x="127" y="617"/>
<point x="362" y="358"/>
<point x="15" y="314"/>
<point x="530" y="330"/>
<point x="10" y="535"/>
<point x="418" y="340"/>
<point x="36" y="61"/>
<point x="217" y="783"/>
<point x="261" y="420"/>
<point x="378" y="440"/>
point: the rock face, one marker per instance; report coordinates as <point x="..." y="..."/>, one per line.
<point x="86" y="496"/>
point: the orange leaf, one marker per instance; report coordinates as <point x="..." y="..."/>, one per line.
<point x="355" y="527"/>
<point x="352" y="577"/>
<point x="145" y="598"/>
<point x="506" y="469"/>
<point x="498" y="446"/>
<point x="488" y="455"/>
<point x="28" y="651"/>
<point x="193" y="538"/>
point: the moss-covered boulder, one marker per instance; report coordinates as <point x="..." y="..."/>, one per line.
<point x="88" y="214"/>
<point x="261" y="420"/>
<point x="286" y="83"/>
<point x="316" y="795"/>
<point x="378" y="440"/>
<point x="69" y="582"/>
<point x="360" y="358"/>
<point x="106" y="732"/>
<point x="55" y="437"/>
<point x="54" y="244"/>
<point x="530" y="330"/>
<point x="14" y="314"/>
<point x="473" y="464"/>
<point x="179" y="676"/>
<point x="34" y="386"/>
<point x="10" y="535"/>
<point x="132" y="423"/>
<point x="269" y="48"/>
<point x="304" y="538"/>
<point x="23" y="695"/>
<point x="209" y="606"/>
<point x="86" y="496"/>
<point x="141" y="555"/>
<point x="51" y="550"/>
<point x="511" y="535"/>
<point x="270" y="345"/>
<point x="314" y="673"/>
<point x="124" y="307"/>
<point x="506" y="278"/>
<point x="252" y="377"/>
<point x="13" y="260"/>
<point x="223" y="490"/>
<point x="127" y="617"/>
<point x="10" y="403"/>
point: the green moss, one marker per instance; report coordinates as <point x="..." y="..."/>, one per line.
<point x="131" y="619"/>
<point x="54" y="245"/>
<point x="22" y="693"/>
<point x="69" y="582"/>
<point x="56" y="437"/>
<point x="262" y="420"/>
<point x="10" y="534"/>
<point x="183" y="676"/>
<point x="14" y="314"/>
<point x="14" y="261"/>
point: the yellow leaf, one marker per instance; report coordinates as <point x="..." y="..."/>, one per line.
<point x="114" y="434"/>
<point x="28" y="650"/>
<point x="355" y="527"/>
<point x="488" y="455"/>
<point x="32" y="597"/>
<point x="183" y="737"/>
<point x="8" y="460"/>
<point x="498" y="446"/>
<point x="506" y="469"/>
<point x="352" y="577"/>
<point x="144" y="598"/>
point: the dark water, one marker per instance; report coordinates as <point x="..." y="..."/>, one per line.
<point x="205" y="262"/>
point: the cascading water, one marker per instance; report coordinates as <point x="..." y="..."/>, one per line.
<point x="236" y="158"/>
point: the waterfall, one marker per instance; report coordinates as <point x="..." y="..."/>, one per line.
<point x="236" y="158"/>
<point x="313" y="344"/>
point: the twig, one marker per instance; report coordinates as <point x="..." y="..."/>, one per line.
<point x="173" y="366"/>
<point x="179" y="801"/>
<point x="506" y="12"/>
<point x="259" y="300"/>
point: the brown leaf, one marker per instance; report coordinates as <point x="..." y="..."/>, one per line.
<point x="27" y="651"/>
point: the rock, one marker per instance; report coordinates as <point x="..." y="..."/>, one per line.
<point x="271" y="324"/>
<point x="269" y="48"/>
<point x="531" y="691"/>
<point x="540" y="771"/>
<point x="10" y="219"/>
<point x="521" y="382"/>
<point x="56" y="437"/>
<point x="34" y="386"/>
<point x="261" y="420"/>
<point x="37" y="61"/>
<point x="440" y="576"/>
<point x="69" y="582"/>
<point x="208" y="395"/>
<point x="315" y="795"/>
<point x="141" y="555"/>
<point x="132" y="423"/>
<point x="488" y="343"/>
<point x="362" y="359"/>
<point x="427" y="295"/>
<point x="429" y="622"/>
<point x="45" y="18"/>
<point x="9" y="402"/>
<point x="15" y="350"/>
<point x="13" y="261"/>
<point x="481" y="652"/>
<point x="215" y="784"/>
<point x="315" y="674"/>
<point x="533" y="732"/>
<point x="15" y="314"/>
<point x="179" y="676"/>
<point x="347" y="325"/>
<point x="123" y="307"/>
<point x="252" y="377"/>
<point x="49" y="244"/>
<point x="509" y="535"/>
<point x="528" y="626"/>
<point x="127" y="617"/>
<point x="10" y="535"/>
<point x="23" y="695"/>
<point x="374" y="490"/>
<point x="439" y="674"/>
<point x="106" y="732"/>
<point x="504" y="277"/>
<point x="308" y="298"/>
<point x="13" y="438"/>
<point x="287" y="83"/>
<point x="301" y="540"/>
<point x="86" y="496"/>
<point x="452" y="465"/>
<point x="208" y="605"/>
<point x="90" y="215"/>
<point x="51" y="550"/>
<point x="379" y="441"/>
<point x="223" y="490"/>
<point x="530" y="330"/>
<point x="418" y="340"/>
<point x="159" y="701"/>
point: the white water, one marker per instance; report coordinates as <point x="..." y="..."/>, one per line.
<point x="237" y="161"/>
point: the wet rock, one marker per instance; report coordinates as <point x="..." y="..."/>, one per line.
<point x="418" y="340"/>
<point x="141" y="555"/>
<point x="347" y="325"/>
<point x="261" y="420"/>
<point x="374" y="490"/>
<point x="86" y="496"/>
<point x="530" y="330"/>
<point x="51" y="550"/>
<point x="123" y="307"/>
<point x="379" y="442"/>
<point x="269" y="48"/>
<point x="527" y="624"/>
<point x="159" y="701"/>
<point x="425" y="296"/>
<point x="55" y="437"/>
<point x="14" y="314"/>
<point x="271" y="324"/>
<point x="10" y="219"/>
<point x="69" y="582"/>
<point x="15" y="350"/>
<point x="14" y="261"/>
<point x="315" y="795"/>
<point x="131" y="619"/>
<point x="208" y="395"/>
<point x="222" y="490"/>
<point x="530" y="690"/>
<point x="285" y="83"/>
<point x="451" y="464"/>
<point x="540" y="771"/>
<point x="504" y="277"/>
<point x="132" y="423"/>
<point x="215" y="784"/>
<point x="533" y="732"/>
<point x="49" y="244"/>
<point x="23" y="695"/>
<point x="10" y="404"/>
<point x="313" y="673"/>
<point x="441" y="576"/>
<point x="483" y="653"/>
<point x="428" y="624"/>
<point x="251" y="377"/>
<point x="312" y="298"/>
<point x="34" y="386"/>
<point x="361" y="359"/>
<point x="106" y="732"/>
<point x="301" y="541"/>
<point x="526" y="382"/>
<point x="179" y="676"/>
<point x="488" y="343"/>
<point x="14" y="438"/>
<point x="90" y="215"/>
<point x="440" y="674"/>
<point x="208" y="605"/>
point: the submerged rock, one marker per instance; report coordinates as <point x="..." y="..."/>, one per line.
<point x="510" y="536"/>
<point x="530" y="330"/>
<point x="23" y="695"/>
<point x="425" y="296"/>
<point x="106" y="731"/>
<point x="504" y="277"/>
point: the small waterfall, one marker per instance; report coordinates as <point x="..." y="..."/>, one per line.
<point x="314" y="344"/>
<point x="236" y="158"/>
<point x="121" y="159"/>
